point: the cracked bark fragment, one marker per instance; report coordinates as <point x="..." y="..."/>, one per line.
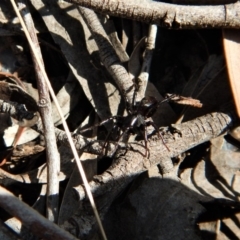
<point x="129" y="164"/>
<point x="168" y="15"/>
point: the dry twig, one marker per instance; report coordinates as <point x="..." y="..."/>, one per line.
<point x="147" y="59"/>
<point x="53" y="158"/>
<point x="79" y="165"/>
<point x="168" y="15"/>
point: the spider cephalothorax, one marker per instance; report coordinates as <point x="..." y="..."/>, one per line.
<point x="137" y="120"/>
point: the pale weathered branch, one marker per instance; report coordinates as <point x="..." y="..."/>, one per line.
<point x="168" y="15"/>
<point x="53" y="158"/>
<point x="177" y="145"/>
<point x="108" y="54"/>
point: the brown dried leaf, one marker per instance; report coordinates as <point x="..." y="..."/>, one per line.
<point x="185" y="100"/>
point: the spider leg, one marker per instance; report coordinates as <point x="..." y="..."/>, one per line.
<point x="127" y="129"/>
<point x="147" y="152"/>
<point x="106" y="142"/>
<point x="134" y="119"/>
<point x="168" y="98"/>
<point x="130" y="107"/>
<point x="150" y="123"/>
<point x="101" y="123"/>
<point x="119" y="139"/>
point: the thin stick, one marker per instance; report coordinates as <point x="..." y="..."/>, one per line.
<point x="53" y="158"/>
<point x="78" y="162"/>
<point x="147" y="59"/>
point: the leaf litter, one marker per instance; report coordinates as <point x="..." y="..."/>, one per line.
<point x="157" y="205"/>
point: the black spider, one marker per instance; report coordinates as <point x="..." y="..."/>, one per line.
<point x="135" y="122"/>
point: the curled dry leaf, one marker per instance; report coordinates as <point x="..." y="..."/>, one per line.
<point x="185" y="100"/>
